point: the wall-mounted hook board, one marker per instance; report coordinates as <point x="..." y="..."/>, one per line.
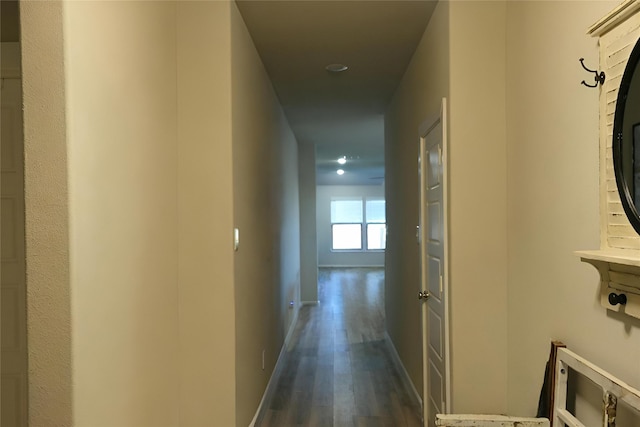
<point x="619" y="279"/>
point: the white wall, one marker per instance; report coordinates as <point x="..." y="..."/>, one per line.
<point x="326" y="257"/>
<point x="553" y="209"/>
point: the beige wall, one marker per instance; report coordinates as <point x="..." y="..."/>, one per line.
<point x="152" y="144"/>
<point x="419" y="95"/>
<point x="308" y="237"/>
<point x="164" y="100"/>
<point x="478" y="197"/>
<point x="265" y="200"/>
<point x="553" y="199"/>
<point x="463" y="44"/>
<point x="534" y="171"/>
<point x="546" y="297"/>
<point x="287" y="202"/>
<point x="121" y="144"/>
<point x="205" y="210"/>
<point x="47" y="216"/>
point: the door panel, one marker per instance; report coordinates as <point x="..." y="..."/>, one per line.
<point x="436" y="387"/>
<point x="433" y="166"/>
<point x="434" y="220"/>
<point x="433" y="273"/>
<point x="435" y="338"/>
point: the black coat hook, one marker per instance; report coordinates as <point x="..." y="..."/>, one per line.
<point x="599" y="77"/>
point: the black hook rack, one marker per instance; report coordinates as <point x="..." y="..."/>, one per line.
<point x="598" y="77"/>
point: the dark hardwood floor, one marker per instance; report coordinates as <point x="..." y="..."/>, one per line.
<point x="338" y="370"/>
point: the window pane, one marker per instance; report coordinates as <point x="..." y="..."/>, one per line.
<point x="346" y="236"/>
<point x="376" y="236"/>
<point x="375" y="211"/>
<point x="346" y="211"/>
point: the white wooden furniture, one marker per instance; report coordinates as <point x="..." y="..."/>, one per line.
<point x="618" y="259"/>
<point x="613" y="390"/>
<point x="488" y="421"/>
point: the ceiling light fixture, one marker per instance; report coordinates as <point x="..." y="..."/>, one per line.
<point x="336" y="68"/>
<point x="342" y="160"/>
<point x="340" y="172"/>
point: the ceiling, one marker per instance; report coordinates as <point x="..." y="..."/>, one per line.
<point x="341" y="114"/>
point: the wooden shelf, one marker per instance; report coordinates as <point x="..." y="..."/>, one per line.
<point x="615" y="256"/>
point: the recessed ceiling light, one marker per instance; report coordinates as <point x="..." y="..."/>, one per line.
<point x="336" y="68"/>
<point x="340" y="172"/>
<point x="342" y="160"/>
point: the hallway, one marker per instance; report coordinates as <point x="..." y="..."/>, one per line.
<point x="338" y="369"/>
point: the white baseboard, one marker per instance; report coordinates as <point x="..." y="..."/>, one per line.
<point x="278" y="367"/>
<point x="404" y="375"/>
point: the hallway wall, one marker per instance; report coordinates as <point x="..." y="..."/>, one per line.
<point x="205" y="214"/>
<point x="266" y="210"/>
<point x="46" y="215"/>
<point x="478" y="205"/>
<point x="541" y="142"/>
<point x="133" y="316"/>
<point x="121" y="145"/>
<point x="308" y="235"/>
<point x="419" y="95"/>
<point x="553" y="209"/>
<point x="461" y="38"/>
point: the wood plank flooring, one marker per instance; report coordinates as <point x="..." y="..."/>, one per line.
<point x="338" y="370"/>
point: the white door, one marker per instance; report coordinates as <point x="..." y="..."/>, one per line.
<point x="13" y="338"/>
<point x="434" y="264"/>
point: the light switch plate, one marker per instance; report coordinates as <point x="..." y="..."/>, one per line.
<point x="236" y="239"/>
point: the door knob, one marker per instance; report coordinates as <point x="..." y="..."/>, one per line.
<point x="423" y="295"/>
<point x="615" y="299"/>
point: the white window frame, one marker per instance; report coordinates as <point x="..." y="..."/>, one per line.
<point x="364" y="235"/>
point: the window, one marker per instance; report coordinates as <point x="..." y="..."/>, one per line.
<point x="346" y="224"/>
<point x="358" y="224"/>
<point x="376" y="226"/>
<point x="346" y="236"/>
